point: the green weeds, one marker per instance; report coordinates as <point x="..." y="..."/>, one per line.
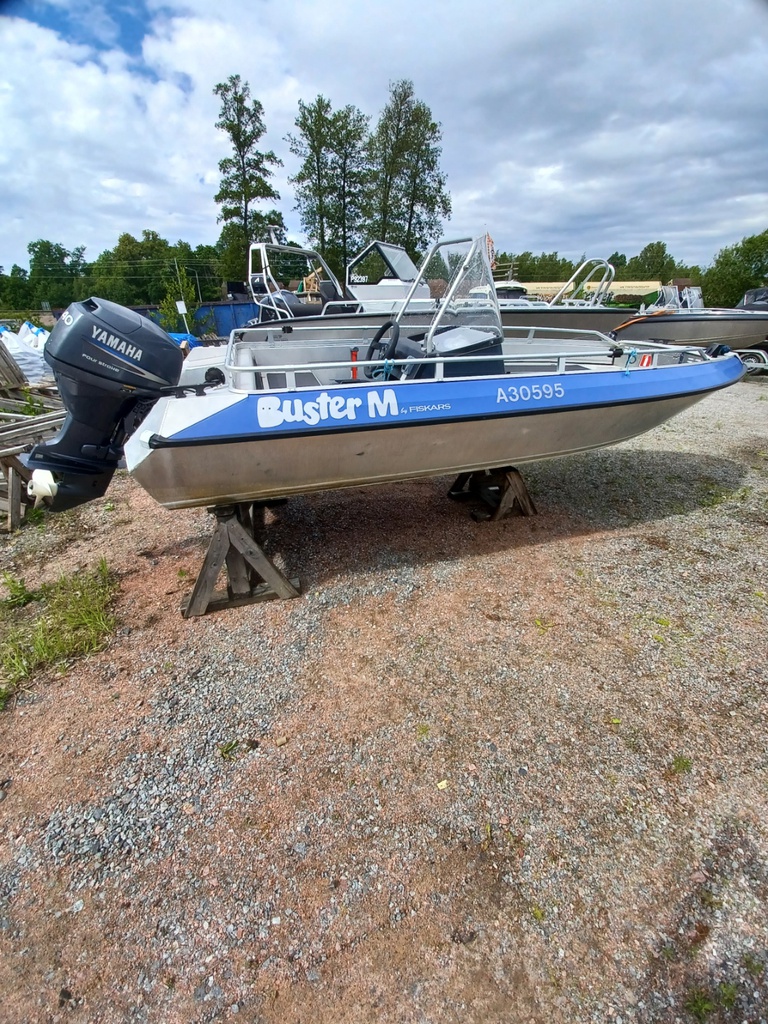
<point x="681" y="765"/>
<point x="752" y="965"/>
<point x="699" y="1004"/>
<point x="46" y="628"/>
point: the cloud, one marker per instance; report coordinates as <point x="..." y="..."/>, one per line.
<point x="586" y="127"/>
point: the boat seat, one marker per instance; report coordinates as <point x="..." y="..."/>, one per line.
<point x="294" y="306"/>
<point x="328" y="292"/>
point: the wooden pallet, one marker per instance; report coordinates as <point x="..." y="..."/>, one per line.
<point x="18" y="434"/>
<point x="10" y="374"/>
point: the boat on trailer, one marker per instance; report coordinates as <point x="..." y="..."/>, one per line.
<point x="299" y="409"/>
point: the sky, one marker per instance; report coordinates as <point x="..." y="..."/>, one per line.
<point x="575" y="126"/>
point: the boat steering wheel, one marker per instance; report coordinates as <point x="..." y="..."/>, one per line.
<point x="377" y="345"/>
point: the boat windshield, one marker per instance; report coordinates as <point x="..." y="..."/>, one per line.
<point x="381" y="261"/>
<point x="461" y="280"/>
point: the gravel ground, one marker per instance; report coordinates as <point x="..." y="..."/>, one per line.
<point x="508" y="772"/>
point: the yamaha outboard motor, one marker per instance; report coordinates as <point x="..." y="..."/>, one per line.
<point x="111" y="365"/>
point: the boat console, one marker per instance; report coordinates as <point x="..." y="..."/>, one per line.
<point x="453" y="345"/>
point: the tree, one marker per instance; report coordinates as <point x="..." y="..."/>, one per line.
<point x="136" y="271"/>
<point x="179" y="288"/>
<point x="312" y="181"/>
<point x="245" y="174"/>
<point x="133" y="273"/>
<point x="407" y="196"/>
<point x="350" y="173"/>
<point x="329" y="185"/>
<point x="735" y="269"/>
<point x="203" y="264"/>
<point x="546" y="267"/>
<point x="232" y="239"/>
<point x="15" y="291"/>
<point x="653" y="263"/>
<point x="54" y="273"/>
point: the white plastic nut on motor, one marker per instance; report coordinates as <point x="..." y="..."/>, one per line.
<point x="42" y="486"/>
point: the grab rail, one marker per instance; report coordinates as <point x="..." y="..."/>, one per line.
<point x="635" y="360"/>
<point x="602" y="289"/>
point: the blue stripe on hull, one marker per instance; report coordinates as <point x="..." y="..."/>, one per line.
<point x="349" y="408"/>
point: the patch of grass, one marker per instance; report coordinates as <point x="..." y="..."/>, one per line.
<point x="726" y="994"/>
<point x="35" y="516"/>
<point x="681" y="764"/>
<point x="19" y="593"/>
<point x="70" y="618"/>
<point x="487" y="840"/>
<point x="537" y="913"/>
<point x="710" y="901"/>
<point x="752" y="965"/>
<point x="699" y="1004"/>
<point x="422" y="731"/>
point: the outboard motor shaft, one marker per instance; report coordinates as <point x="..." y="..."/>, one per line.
<point x="111" y="365"/>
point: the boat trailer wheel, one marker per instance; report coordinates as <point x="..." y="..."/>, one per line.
<point x="376" y="341"/>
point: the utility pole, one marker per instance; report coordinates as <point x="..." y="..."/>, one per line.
<point x="181" y="305"/>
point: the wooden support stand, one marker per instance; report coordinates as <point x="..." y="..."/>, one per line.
<point x="502" y="490"/>
<point x="12" y="489"/>
<point x="251" y="576"/>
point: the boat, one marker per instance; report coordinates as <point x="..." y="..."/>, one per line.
<point x="575" y="306"/>
<point x="754" y="298"/>
<point x="294" y="408"/>
<point x="290" y="284"/>
<point x="679" y="317"/>
<point x="382" y="276"/>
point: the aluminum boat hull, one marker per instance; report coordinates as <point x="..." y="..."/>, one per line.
<point x="570" y="318"/>
<point x="214" y="450"/>
<point x="739" y="329"/>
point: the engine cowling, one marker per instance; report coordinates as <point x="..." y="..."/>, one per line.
<point x="111" y="365"/>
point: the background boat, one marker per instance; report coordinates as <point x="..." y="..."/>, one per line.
<point x="680" y="318"/>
